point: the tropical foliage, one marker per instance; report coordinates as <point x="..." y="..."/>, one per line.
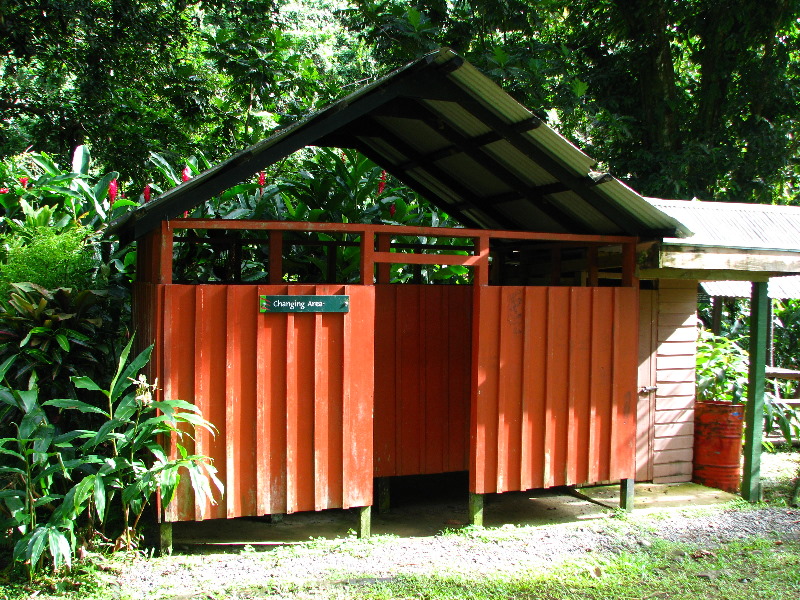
<point x="64" y="489"/>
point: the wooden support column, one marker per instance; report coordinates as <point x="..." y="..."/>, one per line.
<point x="165" y="538"/>
<point x="476" y="509"/>
<point x="754" y="409"/>
<point x="384" y="498"/>
<point x="364" y="521"/>
<point x="275" y="267"/>
<point x="626" y="494"/>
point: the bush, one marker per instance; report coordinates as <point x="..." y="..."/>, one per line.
<point x="49" y="258"/>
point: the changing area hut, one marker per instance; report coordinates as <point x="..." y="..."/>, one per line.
<point x="528" y="375"/>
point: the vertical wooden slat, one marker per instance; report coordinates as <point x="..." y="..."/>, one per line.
<point x="483" y="461"/>
<point x="623" y="432"/>
<point x="558" y="343"/>
<point x="436" y="399"/>
<point x="358" y="397"/>
<point x="602" y="330"/>
<point x="386" y="396"/>
<point x="534" y="388"/>
<point x="458" y="380"/>
<point x="179" y="367"/>
<point x="510" y="346"/>
<point x="322" y="425"/>
<point x="579" y="384"/>
<point x="648" y="338"/>
<point x="306" y="426"/>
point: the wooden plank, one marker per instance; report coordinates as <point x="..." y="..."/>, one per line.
<point x="673" y="429"/>
<point x="675" y="363"/>
<point x="687" y="333"/>
<point x="675" y="376"/>
<point x="754" y="407"/>
<point x="459" y="384"/>
<point x="323" y="422"/>
<point x="397" y="230"/>
<point x="437" y="409"/>
<point x="623" y="435"/>
<point x="387" y="366"/>
<point x="231" y="342"/>
<point x="485" y="344"/>
<point x="673" y="442"/>
<point x="677" y="308"/>
<point x="178" y="381"/>
<point x="557" y="394"/>
<point x="685" y="415"/>
<point x="674" y="478"/>
<point x="676" y="469"/>
<point x="358" y="397"/>
<point x="509" y="426"/>
<point x="410" y="389"/>
<point x="673" y="456"/>
<point x="669" y="321"/>
<point x="686" y="349"/>
<point x="666" y="390"/>
<point x="645" y="410"/>
<point x="580" y="384"/>
<point x="292" y="412"/>
<point x="305" y="367"/>
<point x="684" y="293"/>
<point x="600" y="401"/>
<point x="534" y="388"/>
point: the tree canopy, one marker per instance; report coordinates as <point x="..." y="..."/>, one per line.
<point x="680" y="99"/>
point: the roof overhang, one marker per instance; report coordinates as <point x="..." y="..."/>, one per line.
<point x="450" y="133"/>
<point x="730" y="241"/>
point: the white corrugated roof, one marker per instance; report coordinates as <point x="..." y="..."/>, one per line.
<point x="779" y="287"/>
<point x="734" y="225"/>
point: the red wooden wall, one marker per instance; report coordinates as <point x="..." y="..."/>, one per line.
<point x="422" y="378"/>
<point x="291" y="396"/>
<point x="555" y="387"/>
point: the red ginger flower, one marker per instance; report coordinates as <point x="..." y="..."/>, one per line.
<point x="24" y="182"/>
<point x="382" y="183"/>
<point x="146" y="192"/>
<point x="187" y="173"/>
<point x="392" y="209"/>
<point x="4" y="190"/>
<point x="112" y="191"/>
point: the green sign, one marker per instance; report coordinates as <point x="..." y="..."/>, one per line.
<point x="305" y="304"/>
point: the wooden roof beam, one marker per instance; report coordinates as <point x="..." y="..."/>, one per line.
<point x="621" y="218"/>
<point x="442" y="176"/>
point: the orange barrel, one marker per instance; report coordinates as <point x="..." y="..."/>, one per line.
<point x="718" y="445"/>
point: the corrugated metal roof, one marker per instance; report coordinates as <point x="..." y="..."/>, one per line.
<point x="778" y="287"/>
<point x="734" y="225"/>
<point x="453" y="135"/>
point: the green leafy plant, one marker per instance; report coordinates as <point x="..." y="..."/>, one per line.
<point x="722" y="367"/>
<point x="55" y="482"/>
<point x="54" y="335"/>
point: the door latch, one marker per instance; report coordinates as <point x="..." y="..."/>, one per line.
<point x="644" y="390"/>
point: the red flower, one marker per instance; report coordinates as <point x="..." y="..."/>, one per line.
<point x="24" y="182"/>
<point x="112" y="191"/>
<point x="4" y="190"/>
<point x="382" y="183"/>
<point x="187" y="173"/>
<point x="392" y="209"/>
<point x="146" y="192"/>
<point x="262" y="179"/>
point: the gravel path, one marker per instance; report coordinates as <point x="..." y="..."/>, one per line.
<point x="322" y="569"/>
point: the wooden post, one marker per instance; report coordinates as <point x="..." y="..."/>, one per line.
<point x="364" y="521"/>
<point x="754" y="409"/>
<point x="384" y="499"/>
<point x="626" y="494"/>
<point x="165" y="538"/>
<point x="275" y="258"/>
<point x="476" y="509"/>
